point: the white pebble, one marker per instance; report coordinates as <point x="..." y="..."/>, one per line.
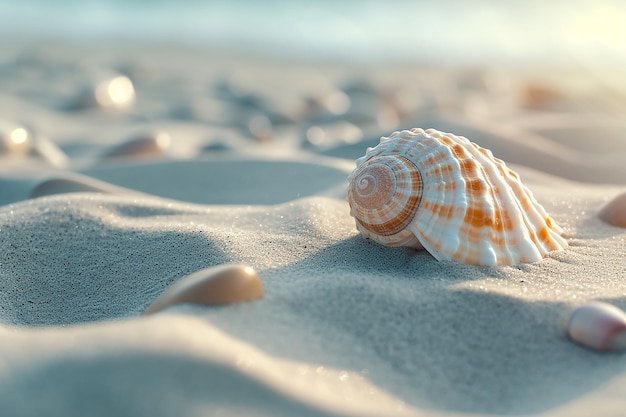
<point x="117" y="92"/>
<point x="112" y="92"/>
<point x="14" y="139"/>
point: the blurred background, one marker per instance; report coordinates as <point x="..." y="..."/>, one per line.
<point x="513" y="32"/>
<point x="112" y="79"/>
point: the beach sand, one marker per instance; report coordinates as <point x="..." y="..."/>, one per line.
<point x="215" y="159"/>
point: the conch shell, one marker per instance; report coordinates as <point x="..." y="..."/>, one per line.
<point x="443" y="193"/>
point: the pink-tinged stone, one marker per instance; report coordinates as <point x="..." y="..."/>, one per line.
<point x="598" y="326"/>
<point x="614" y="212"/>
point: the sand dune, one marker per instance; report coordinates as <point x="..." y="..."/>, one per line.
<point x="346" y="327"/>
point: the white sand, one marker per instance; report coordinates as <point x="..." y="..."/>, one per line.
<point x="346" y="327"/>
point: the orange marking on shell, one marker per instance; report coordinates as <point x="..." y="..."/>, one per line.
<point x="498" y="224"/>
<point x="476" y="186"/>
<point x="459" y="151"/>
<point x="498" y="239"/>
<point x="469" y="167"/>
<point x="450" y="186"/>
<point x="533" y="236"/>
<point x="446" y="141"/>
<point x="447" y="212"/>
<point x="526" y="203"/>
<point x="508" y="222"/>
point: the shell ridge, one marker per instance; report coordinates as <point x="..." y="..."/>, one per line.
<point x="485" y="248"/>
<point x="536" y="216"/>
<point x="502" y="202"/>
<point x="448" y="239"/>
<point x="429" y="225"/>
<point x="536" y="238"/>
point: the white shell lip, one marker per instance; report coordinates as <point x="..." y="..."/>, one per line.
<point x="599" y="326"/>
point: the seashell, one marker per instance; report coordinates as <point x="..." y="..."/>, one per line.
<point x="443" y="193"/>
<point x="614" y="212"/>
<point x="599" y="326"/>
<point x="225" y="284"/>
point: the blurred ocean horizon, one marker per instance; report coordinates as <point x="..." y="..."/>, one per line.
<point x="575" y="32"/>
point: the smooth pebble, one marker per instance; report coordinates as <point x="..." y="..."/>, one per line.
<point x="540" y="96"/>
<point x="224" y="284"/>
<point x="113" y="92"/>
<point x="14" y="139"/>
<point x="597" y="325"/>
<point x="332" y="135"/>
<point x="614" y="212"/>
<point x="283" y="108"/>
<point x="371" y="105"/>
<point x="211" y="111"/>
<point x="328" y="105"/>
<point x="239" y="87"/>
<point x="260" y="128"/>
<point x="149" y="145"/>
<point x="74" y="184"/>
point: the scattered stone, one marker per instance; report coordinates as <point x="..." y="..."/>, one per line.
<point x="111" y="92"/>
<point x="151" y="145"/>
<point x="224" y="284"/>
<point x="614" y="213"/>
<point x="598" y="326"/>
<point x="331" y="135"/>
<point x="74" y="183"/>
<point x="15" y="140"/>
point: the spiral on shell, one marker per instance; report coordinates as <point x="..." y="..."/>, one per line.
<point x="387" y="192"/>
<point x="443" y="193"/>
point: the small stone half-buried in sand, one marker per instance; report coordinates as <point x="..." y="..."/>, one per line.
<point x="219" y="285"/>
